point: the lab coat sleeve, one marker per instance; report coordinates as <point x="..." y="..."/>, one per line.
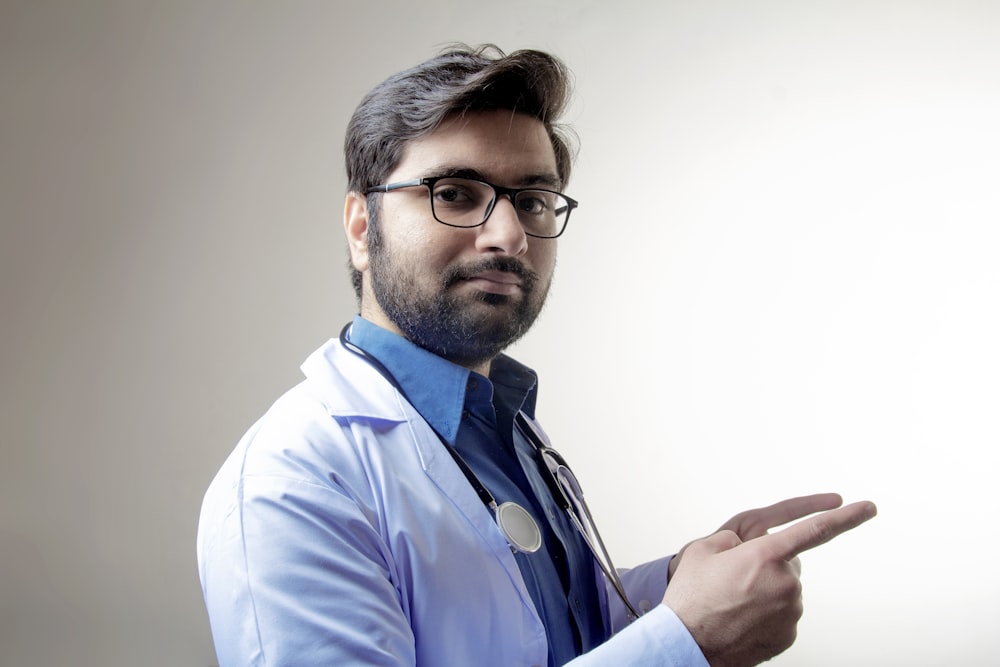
<point x="294" y="573"/>
<point x="657" y="639"/>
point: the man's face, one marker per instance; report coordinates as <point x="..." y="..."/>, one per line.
<point x="462" y="293"/>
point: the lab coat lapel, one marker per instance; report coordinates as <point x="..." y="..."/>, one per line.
<point x="446" y="475"/>
<point x="385" y="401"/>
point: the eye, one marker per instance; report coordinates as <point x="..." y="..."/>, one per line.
<point x="457" y="193"/>
<point x="533" y="203"/>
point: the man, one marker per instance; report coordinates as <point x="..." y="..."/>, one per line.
<point x="400" y="506"/>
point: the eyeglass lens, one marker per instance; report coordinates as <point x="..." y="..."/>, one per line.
<point x="467" y="203"/>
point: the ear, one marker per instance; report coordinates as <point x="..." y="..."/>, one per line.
<point x="356" y="229"/>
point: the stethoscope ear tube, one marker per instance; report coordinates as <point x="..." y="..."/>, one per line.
<point x="566" y="491"/>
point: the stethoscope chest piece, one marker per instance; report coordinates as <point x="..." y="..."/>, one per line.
<point x="519" y="527"/>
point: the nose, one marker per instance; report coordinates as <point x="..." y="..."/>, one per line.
<point x="502" y="231"/>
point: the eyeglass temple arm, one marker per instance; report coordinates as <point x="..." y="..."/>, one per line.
<point x="389" y="187"/>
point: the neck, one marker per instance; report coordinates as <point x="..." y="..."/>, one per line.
<point x="376" y="316"/>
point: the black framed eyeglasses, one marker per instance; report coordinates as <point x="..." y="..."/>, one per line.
<point x="468" y="202"/>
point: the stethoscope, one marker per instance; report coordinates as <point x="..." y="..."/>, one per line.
<point x="516" y="524"/>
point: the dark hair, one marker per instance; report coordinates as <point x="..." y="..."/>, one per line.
<point x="413" y="103"/>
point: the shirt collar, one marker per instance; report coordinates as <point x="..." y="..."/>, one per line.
<point x="436" y="387"/>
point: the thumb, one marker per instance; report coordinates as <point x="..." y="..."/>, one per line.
<point x="717" y="542"/>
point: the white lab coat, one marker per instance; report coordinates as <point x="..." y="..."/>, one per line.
<point x="341" y="532"/>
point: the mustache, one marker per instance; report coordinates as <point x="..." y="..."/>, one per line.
<point x="506" y="264"/>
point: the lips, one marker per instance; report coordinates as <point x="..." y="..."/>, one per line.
<point x="502" y="277"/>
<point x="495" y="282"/>
<point x="496" y="275"/>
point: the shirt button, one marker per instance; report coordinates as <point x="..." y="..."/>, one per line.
<point x="644" y="606"/>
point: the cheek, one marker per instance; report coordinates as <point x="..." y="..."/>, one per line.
<point x="427" y="245"/>
<point x="543" y="260"/>
<point x="404" y="230"/>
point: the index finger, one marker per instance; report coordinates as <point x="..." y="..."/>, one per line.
<point x="756" y="522"/>
<point x="820" y="529"/>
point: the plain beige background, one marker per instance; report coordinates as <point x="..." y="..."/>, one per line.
<point x="782" y="279"/>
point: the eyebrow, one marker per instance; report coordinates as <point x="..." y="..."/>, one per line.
<point x="544" y="180"/>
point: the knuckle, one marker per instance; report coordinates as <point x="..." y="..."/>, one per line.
<point x="822" y="532"/>
<point x="792" y="589"/>
<point x="788" y="637"/>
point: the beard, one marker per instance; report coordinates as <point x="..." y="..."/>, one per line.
<point x="465" y="328"/>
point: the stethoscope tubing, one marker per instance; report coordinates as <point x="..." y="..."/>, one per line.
<point x="571" y="501"/>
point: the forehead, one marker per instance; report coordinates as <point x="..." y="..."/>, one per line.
<point x="505" y="147"/>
